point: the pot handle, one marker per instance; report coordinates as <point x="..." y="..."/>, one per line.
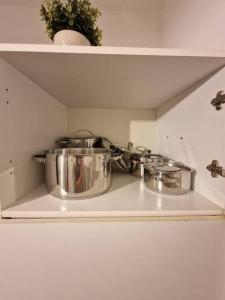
<point x="41" y="158"/>
<point x="130" y="146"/>
<point x="115" y="156"/>
<point x="85" y="130"/>
<point x="143" y="150"/>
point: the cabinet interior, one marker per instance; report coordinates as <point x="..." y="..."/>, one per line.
<point x="158" y="96"/>
<point x="175" y="127"/>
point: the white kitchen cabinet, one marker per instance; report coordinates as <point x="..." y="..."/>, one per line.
<point x="63" y="72"/>
<point x="128" y="243"/>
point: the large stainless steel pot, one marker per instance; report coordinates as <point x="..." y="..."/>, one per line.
<point x="77" y="173"/>
<point x="168" y="178"/>
<point x="82" y="138"/>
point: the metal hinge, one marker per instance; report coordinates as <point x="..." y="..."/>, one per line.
<point x="216" y="169"/>
<point x="219" y="100"/>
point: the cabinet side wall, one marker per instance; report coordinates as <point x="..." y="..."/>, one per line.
<point x="192" y="131"/>
<point x="30" y="120"/>
<point x="118" y="125"/>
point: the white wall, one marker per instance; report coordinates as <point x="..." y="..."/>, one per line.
<point x="20" y="22"/>
<point x="132" y="29"/>
<point x="30" y="120"/>
<point x="203" y="131"/>
<point x="194" y="24"/>
<point x="148" y="23"/>
<point x="161" y="23"/>
<point x="120" y="126"/>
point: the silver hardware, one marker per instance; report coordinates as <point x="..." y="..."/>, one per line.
<point x="216" y="169"/>
<point x="219" y="100"/>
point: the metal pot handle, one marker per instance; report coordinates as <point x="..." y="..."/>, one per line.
<point x="115" y="156"/>
<point x="85" y="130"/>
<point x="130" y="146"/>
<point x="41" y="158"/>
<point x="143" y="150"/>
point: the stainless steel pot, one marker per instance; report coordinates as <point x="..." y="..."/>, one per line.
<point x="136" y="165"/>
<point x="77" y="173"/>
<point x="82" y="138"/>
<point x="168" y="178"/>
<point x="138" y="161"/>
<point x="124" y="162"/>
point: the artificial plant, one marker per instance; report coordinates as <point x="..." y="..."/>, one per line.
<point x="77" y="15"/>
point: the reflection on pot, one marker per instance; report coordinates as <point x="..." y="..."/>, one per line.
<point x="169" y="178"/>
<point x="77" y="173"/>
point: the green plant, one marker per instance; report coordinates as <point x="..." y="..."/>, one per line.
<point x="76" y="15"/>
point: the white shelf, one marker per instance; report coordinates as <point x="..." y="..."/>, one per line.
<point x="50" y="48"/>
<point x="126" y="198"/>
<point x="112" y="77"/>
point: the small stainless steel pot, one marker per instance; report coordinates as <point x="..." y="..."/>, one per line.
<point x="168" y="178"/>
<point x="77" y="173"/>
<point x="138" y="161"/>
<point x="86" y="140"/>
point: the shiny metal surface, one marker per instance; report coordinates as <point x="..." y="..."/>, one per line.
<point x="168" y="178"/>
<point x="216" y="169"/>
<point x="86" y="140"/>
<point x="218" y="100"/>
<point x="136" y="166"/>
<point x="77" y="173"/>
<point x="79" y="143"/>
<point x="138" y="161"/>
<point x="121" y="163"/>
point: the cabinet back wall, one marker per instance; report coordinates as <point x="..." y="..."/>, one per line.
<point x="120" y="126"/>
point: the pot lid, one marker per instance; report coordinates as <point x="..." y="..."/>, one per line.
<point x="169" y="169"/>
<point x="146" y="156"/>
<point x="81" y="134"/>
<point x="84" y="134"/>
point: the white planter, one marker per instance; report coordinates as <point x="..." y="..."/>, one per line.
<point x="70" y="37"/>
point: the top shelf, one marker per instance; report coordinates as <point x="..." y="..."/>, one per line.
<point x="112" y="77"/>
<point x="64" y="49"/>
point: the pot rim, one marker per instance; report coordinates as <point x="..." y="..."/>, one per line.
<point x="77" y="151"/>
<point x="180" y="167"/>
<point x="74" y="140"/>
